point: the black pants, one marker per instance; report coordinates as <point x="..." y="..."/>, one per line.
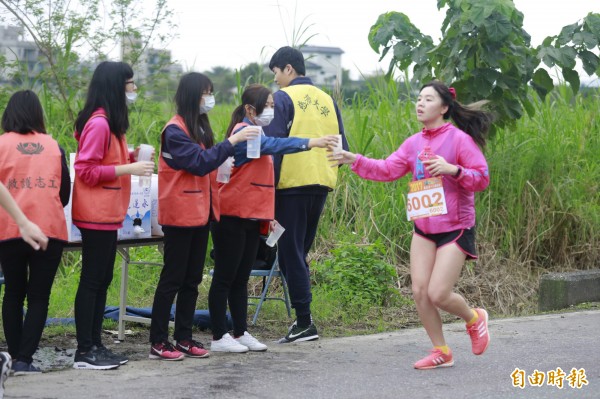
<point x="185" y="252"/>
<point x="236" y="244"/>
<point x="299" y="214"/>
<point x="27" y="274"/>
<point x="98" y="253"/>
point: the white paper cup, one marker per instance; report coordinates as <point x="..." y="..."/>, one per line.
<point x="145" y="154"/>
<point x="253" y="146"/>
<point x="275" y="234"/>
<point x="337" y="150"/>
<point x="224" y="171"/>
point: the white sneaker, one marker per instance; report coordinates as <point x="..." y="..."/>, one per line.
<point x="227" y="344"/>
<point x="251" y="342"/>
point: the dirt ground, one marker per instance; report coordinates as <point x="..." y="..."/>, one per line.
<point x="56" y="350"/>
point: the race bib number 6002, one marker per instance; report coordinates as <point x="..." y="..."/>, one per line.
<point x="425" y="198"/>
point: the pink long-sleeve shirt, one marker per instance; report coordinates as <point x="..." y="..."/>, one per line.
<point x="93" y="145"/>
<point x="457" y="148"/>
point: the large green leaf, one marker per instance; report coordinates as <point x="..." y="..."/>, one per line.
<point x="587" y="38"/>
<point x="592" y="24"/>
<point x="573" y="78"/>
<point x="498" y="27"/>
<point x="566" y="34"/>
<point x="590" y="61"/>
<point x="542" y="83"/>
<point x="480" y="12"/>
<point x="563" y="57"/>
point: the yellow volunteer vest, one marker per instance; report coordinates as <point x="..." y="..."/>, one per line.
<point x="314" y="117"/>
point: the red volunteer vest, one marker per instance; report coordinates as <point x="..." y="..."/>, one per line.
<point x="106" y="202"/>
<point x="185" y="200"/>
<point x="250" y="193"/>
<point x="30" y="166"/>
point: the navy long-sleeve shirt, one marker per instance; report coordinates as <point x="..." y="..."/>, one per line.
<point x="181" y="152"/>
<point x="270" y="146"/>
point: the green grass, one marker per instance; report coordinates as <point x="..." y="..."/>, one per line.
<point x="541" y="212"/>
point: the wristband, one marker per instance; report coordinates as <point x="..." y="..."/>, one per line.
<point x="458" y="172"/>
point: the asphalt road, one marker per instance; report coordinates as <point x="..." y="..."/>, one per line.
<point x="374" y="366"/>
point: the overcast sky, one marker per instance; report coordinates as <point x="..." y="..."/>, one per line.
<point x="234" y="33"/>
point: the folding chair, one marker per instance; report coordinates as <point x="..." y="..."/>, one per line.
<point x="268" y="275"/>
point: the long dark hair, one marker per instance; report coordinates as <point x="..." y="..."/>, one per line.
<point x="255" y="95"/>
<point x="107" y="91"/>
<point x="23" y="113"/>
<point x="187" y="98"/>
<point x="468" y="118"/>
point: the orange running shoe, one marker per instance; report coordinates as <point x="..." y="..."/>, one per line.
<point x="436" y="359"/>
<point x="480" y="336"/>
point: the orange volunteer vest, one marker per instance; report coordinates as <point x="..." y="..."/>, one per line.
<point x="107" y="202"/>
<point x="250" y="193"/>
<point x="185" y="200"/>
<point x="30" y="166"/>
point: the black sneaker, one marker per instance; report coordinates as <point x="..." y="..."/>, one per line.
<point x="111" y="355"/>
<point x="94" y="360"/>
<point x="5" y="367"/>
<point x="300" y="334"/>
<point x="24" y="368"/>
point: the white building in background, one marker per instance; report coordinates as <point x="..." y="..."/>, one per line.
<point x="323" y="65"/>
<point x="13" y="47"/>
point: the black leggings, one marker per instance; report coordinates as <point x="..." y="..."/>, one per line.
<point x="27" y="274"/>
<point x="236" y="245"/>
<point x="98" y="253"/>
<point x="185" y="252"/>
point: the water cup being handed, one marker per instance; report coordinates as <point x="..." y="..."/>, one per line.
<point x="253" y="146"/>
<point x="145" y="154"/>
<point x="337" y="150"/>
<point x="275" y="234"/>
<point x="224" y="171"/>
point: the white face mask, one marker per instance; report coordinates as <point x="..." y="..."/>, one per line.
<point x="265" y="118"/>
<point x="209" y="103"/>
<point x="130" y="97"/>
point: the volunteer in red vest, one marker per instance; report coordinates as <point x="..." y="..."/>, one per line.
<point x="101" y="191"/>
<point x="29" y="231"/>
<point x="246" y="200"/>
<point x="188" y="200"/>
<point x="34" y="170"/>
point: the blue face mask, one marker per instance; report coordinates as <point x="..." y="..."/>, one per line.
<point x="209" y="103"/>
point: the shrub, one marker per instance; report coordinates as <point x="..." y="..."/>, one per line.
<point x="357" y="274"/>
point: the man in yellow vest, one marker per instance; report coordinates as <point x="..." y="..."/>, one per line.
<point x="302" y="180"/>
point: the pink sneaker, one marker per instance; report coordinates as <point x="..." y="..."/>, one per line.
<point x="165" y="351"/>
<point x="436" y="359"/>
<point x="480" y="336"/>
<point x="191" y="348"/>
